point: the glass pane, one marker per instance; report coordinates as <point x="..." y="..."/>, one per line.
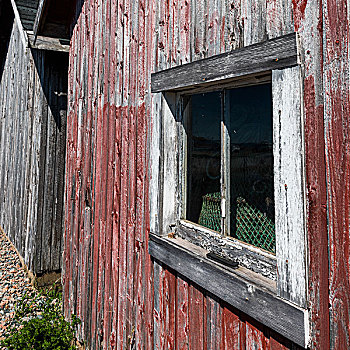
<point x="203" y="161"/>
<point x="251" y="165"/>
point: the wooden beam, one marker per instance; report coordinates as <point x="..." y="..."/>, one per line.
<point x="272" y="54"/>
<point x="252" y="295"/>
<point x="39" y="17"/>
<point x="50" y="44"/>
<point x="19" y="24"/>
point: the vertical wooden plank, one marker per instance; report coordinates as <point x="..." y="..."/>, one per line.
<point x="182" y="314"/>
<point x="149" y="62"/>
<point x="123" y="245"/>
<point x="85" y="312"/>
<point x="89" y="11"/>
<point x="109" y="87"/>
<point x="24" y="195"/>
<point x="234" y="26"/>
<point x="31" y="168"/>
<point x="21" y="145"/>
<point x="168" y="298"/>
<point x="69" y="187"/>
<point x="102" y="170"/>
<point x="215" y="332"/>
<point x="97" y="176"/>
<point x="154" y="137"/>
<point x="184" y="28"/>
<point x="279" y="18"/>
<point x="214" y="27"/>
<point x="11" y="149"/>
<point x="196" y="318"/>
<point x="78" y="220"/>
<point x="15" y="155"/>
<point x="254" y="17"/>
<point x="117" y="9"/>
<point x="174" y="13"/>
<point x="83" y="213"/>
<point x="230" y="330"/>
<point x="289" y="185"/>
<point x="60" y="164"/>
<point x="255" y="338"/>
<point x="198" y="30"/>
<point x="40" y="155"/>
<point x="170" y="160"/>
<point x="132" y="169"/>
<point x="48" y="163"/>
<point x="336" y="17"/>
<point x="123" y="304"/>
<point x="141" y="171"/>
<point x="308" y="21"/>
<point x="277" y="342"/>
<point x="157" y="288"/>
<point x="155" y="161"/>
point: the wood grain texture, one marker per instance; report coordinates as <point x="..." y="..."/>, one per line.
<point x="262" y="305"/>
<point x="289" y="185"/>
<point x="45" y="43"/>
<point x="33" y="107"/>
<point x="306" y="16"/>
<point x="113" y="92"/>
<point x="273" y="54"/>
<point x="254" y="259"/>
<point x="169" y="158"/>
<point x="336" y="19"/>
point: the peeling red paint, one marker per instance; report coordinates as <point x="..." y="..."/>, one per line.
<point x="337" y="111"/>
<point x="338" y="172"/>
<point x="299" y="7"/>
<point x="108" y="274"/>
<point x="316" y="213"/>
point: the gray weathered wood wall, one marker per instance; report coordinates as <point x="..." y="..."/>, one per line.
<point x="32" y="152"/>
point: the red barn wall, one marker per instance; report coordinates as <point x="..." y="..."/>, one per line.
<point x="123" y="298"/>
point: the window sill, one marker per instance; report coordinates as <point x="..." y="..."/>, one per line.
<point x="253" y="258"/>
<point x="245" y="290"/>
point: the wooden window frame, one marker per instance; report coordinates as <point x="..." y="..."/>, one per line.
<point x="277" y="61"/>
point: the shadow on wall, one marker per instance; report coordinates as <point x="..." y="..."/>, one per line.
<point x="52" y="70"/>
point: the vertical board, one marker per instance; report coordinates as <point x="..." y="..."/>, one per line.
<point x="336" y="17"/>
<point x="289" y="185"/>
<point x="311" y="45"/>
<point x="170" y="164"/>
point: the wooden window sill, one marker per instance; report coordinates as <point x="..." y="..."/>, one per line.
<point x="253" y="258"/>
<point x="245" y="290"/>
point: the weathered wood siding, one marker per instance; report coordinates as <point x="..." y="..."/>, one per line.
<point x="123" y="298"/>
<point x="336" y="75"/>
<point x="32" y="149"/>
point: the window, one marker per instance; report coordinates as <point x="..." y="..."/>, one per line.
<point x="227" y="177"/>
<point x="235" y="198"/>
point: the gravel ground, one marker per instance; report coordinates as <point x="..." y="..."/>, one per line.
<point x="14" y="283"/>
